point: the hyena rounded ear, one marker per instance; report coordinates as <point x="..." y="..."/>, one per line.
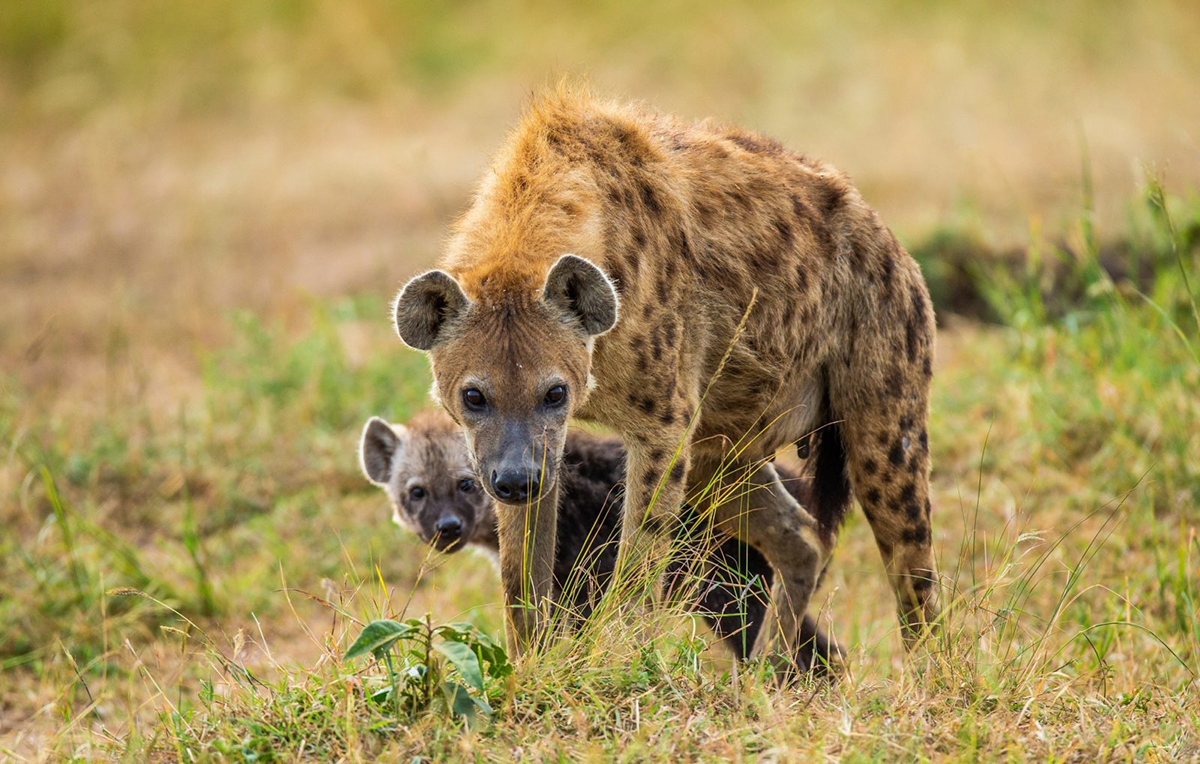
<point x="582" y="291"/>
<point x="426" y="307"/>
<point x="377" y="449"/>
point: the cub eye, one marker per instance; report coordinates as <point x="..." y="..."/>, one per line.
<point x="416" y="492"/>
<point x="466" y="485"/>
<point x="556" y="395"/>
<point x="474" y="398"/>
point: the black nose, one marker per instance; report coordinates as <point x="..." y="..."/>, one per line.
<point x="449" y="527"/>
<point x="517" y="485"/>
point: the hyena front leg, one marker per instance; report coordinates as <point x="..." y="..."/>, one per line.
<point x="655" y="481"/>
<point x="528" y="536"/>
<point x="752" y="504"/>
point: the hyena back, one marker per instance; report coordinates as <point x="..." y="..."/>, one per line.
<point x="614" y="260"/>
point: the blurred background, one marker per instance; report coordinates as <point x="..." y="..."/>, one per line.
<point x="205" y="207"/>
<point x="171" y="160"/>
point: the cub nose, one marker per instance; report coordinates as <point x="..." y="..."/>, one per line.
<point x="449" y="527"/>
<point x="517" y="485"/>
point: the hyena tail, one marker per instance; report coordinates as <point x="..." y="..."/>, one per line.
<point x="831" y="484"/>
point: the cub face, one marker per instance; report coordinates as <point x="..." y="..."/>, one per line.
<point x="426" y="471"/>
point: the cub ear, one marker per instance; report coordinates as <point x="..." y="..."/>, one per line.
<point x="427" y="305"/>
<point x="378" y="447"/>
<point x="580" y="291"/>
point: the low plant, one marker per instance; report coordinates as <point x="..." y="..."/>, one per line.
<point x="447" y="667"/>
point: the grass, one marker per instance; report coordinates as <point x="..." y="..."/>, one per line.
<point x="1064" y="483"/>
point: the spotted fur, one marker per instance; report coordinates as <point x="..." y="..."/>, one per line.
<point x="758" y="299"/>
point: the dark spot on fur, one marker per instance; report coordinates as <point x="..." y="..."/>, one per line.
<point x="667" y="417"/>
<point x="664" y="292"/>
<point x="896" y="455"/>
<point x="923" y="439"/>
<point x="677" y="472"/>
<point x="872" y="497"/>
<point x="639" y="236"/>
<point x="634" y="260"/>
<point x="907" y="501"/>
<point x="657" y="455"/>
<point x="858" y="259"/>
<point x="669" y="339"/>
<point x="650" y="199"/>
<point x="784" y="229"/>
<point x="647" y="405"/>
<point x="918" y="534"/>
<point x="869" y="466"/>
<point x="739" y="197"/>
<point x="911" y="335"/>
<point x="656" y="342"/>
<point x="889" y="269"/>
<point x="801" y="277"/>
<point x="801" y="209"/>
<point x="649" y="478"/>
<point x="830" y="197"/>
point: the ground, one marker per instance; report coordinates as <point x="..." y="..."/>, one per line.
<point x="203" y="215"/>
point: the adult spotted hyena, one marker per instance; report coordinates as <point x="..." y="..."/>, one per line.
<point x="613" y="261"/>
<point x="426" y="471"/>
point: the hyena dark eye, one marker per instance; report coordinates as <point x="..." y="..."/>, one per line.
<point x="556" y="395"/>
<point x="474" y="399"/>
<point x="416" y="493"/>
<point x="466" y="485"/>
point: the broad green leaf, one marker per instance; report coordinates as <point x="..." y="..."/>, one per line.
<point x="484" y="646"/>
<point x="377" y="638"/>
<point x="465" y="660"/>
<point x="460" y="702"/>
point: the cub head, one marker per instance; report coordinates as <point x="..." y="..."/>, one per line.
<point x="511" y="362"/>
<point x="426" y="471"/>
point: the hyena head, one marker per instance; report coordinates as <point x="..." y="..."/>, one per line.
<point x="427" y="473"/>
<point x="511" y="362"/>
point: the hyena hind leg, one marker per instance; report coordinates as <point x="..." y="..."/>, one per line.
<point x="757" y="509"/>
<point x="887" y="456"/>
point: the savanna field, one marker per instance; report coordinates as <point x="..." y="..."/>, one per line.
<point x="205" y="210"/>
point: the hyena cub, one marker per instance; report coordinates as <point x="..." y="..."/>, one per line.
<point x="425" y="469"/>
